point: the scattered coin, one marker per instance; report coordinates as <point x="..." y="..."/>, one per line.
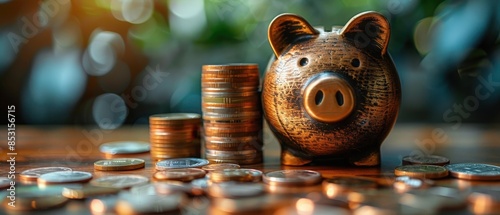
<point x="4" y="182"/>
<point x="307" y="206"/>
<point x="35" y="198"/>
<point x="124" y="147"/>
<point x="421" y="171"/>
<point x="241" y="175"/>
<point x="200" y="183"/>
<point x="292" y="177"/>
<point x="474" y="171"/>
<point x="78" y="191"/>
<point x="186" y="174"/>
<point x="33" y="174"/>
<point x="220" y="166"/>
<point x="117" y="164"/>
<point x="425" y="160"/>
<point x="235" y="189"/>
<point x="341" y="185"/>
<point x="120" y="181"/>
<point x="129" y="203"/>
<point x="64" y="177"/>
<point x="406" y="183"/>
<point x="177" y="163"/>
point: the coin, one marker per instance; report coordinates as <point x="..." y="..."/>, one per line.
<point x="200" y="183"/>
<point x="176" y="117"/>
<point x="474" y="171"/>
<point x="124" y="147"/>
<point x="220" y="166"/>
<point x="33" y="174"/>
<point x="241" y="175"/>
<point x="406" y="183"/>
<point x="340" y="185"/>
<point x="119" y="181"/>
<point x="292" y="177"/>
<point x="77" y="191"/>
<point x="186" y="174"/>
<point x="129" y="203"/>
<point x="117" y="164"/>
<point x="426" y="160"/>
<point x="178" y="163"/>
<point x="64" y="177"/>
<point x="235" y="189"/>
<point x="5" y="182"/>
<point x="435" y="199"/>
<point x="421" y="171"/>
<point x="307" y="206"/>
<point x="34" y="198"/>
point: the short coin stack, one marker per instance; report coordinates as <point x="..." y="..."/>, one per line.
<point x="232" y="115"/>
<point x="174" y="135"/>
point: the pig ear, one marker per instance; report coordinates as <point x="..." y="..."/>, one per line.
<point x="369" y="31"/>
<point x="286" y="29"/>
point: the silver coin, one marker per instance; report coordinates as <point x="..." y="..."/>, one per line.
<point x="64" y="177"/>
<point x="200" y="183"/>
<point x="124" y="147"/>
<point x="33" y="174"/>
<point x="120" y="181"/>
<point x="292" y="177"/>
<point x="130" y="203"/>
<point x="177" y="163"/>
<point x="235" y="189"/>
<point x="474" y="171"/>
<point x="4" y="182"/>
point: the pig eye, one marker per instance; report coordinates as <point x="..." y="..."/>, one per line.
<point x="355" y="62"/>
<point x="303" y="61"/>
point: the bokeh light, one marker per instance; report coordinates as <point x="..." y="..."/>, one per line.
<point x="109" y="111"/>
<point x="57" y="82"/>
<point x="103" y="52"/>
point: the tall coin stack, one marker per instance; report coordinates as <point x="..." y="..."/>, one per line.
<point x="174" y="135"/>
<point x="232" y="113"/>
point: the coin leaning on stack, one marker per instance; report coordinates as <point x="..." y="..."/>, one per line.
<point x="232" y="115"/>
<point x="174" y="135"/>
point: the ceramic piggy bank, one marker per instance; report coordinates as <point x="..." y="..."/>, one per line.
<point x="331" y="95"/>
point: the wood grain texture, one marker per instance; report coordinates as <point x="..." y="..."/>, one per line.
<point x="367" y="69"/>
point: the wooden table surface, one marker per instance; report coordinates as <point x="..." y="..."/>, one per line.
<point x="77" y="148"/>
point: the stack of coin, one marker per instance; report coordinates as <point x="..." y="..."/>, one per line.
<point x="174" y="135"/>
<point x="232" y="114"/>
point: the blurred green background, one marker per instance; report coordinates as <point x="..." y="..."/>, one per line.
<point x="115" y="62"/>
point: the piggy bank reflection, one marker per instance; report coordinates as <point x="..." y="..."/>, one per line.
<point x="331" y="95"/>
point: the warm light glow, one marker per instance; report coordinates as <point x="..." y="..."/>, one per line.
<point x="304" y="206"/>
<point x="97" y="206"/>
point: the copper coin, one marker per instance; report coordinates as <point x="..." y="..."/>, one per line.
<point x="118" y="164"/>
<point x="421" y="171"/>
<point x="33" y="174"/>
<point x="187" y="174"/>
<point x="181" y="163"/>
<point x="124" y="147"/>
<point x="120" y="181"/>
<point x="474" y="171"/>
<point x="64" y="177"/>
<point x="426" y="160"/>
<point x="248" y="161"/>
<point x="292" y="177"/>
<point x="241" y="175"/>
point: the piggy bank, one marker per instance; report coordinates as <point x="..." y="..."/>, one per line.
<point x="331" y="95"/>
